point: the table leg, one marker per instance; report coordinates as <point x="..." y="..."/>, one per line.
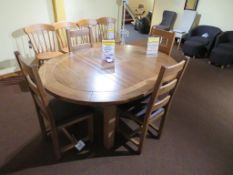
<point x="109" y="114"/>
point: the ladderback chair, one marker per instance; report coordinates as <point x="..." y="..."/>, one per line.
<point x="166" y="39"/>
<point x="152" y="108"/>
<point x="60" y="28"/>
<point x="106" y="25"/>
<point x="79" y="39"/>
<point x="55" y="114"/>
<point x="91" y="23"/>
<point x="43" y="40"/>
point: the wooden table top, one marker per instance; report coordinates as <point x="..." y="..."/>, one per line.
<point x="83" y="77"/>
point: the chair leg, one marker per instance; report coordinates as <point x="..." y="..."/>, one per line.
<point x="55" y="141"/>
<point x="56" y="146"/>
<point x="142" y="137"/>
<point x="42" y="127"/>
<point x="41" y="122"/>
<point x="140" y="147"/>
<point x="90" y="128"/>
<point x="161" y="125"/>
<point x="179" y="42"/>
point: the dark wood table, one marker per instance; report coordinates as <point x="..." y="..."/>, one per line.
<point x="84" y="78"/>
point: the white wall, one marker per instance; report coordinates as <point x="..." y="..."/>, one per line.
<point x="213" y="12"/>
<point x="14" y="15"/>
<point x="92" y="9"/>
<point x="84" y="9"/>
<point x="218" y="13"/>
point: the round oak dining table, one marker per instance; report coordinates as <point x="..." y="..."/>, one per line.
<point x="83" y="77"/>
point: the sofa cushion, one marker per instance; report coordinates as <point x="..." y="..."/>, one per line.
<point x="203" y="40"/>
<point x="194" y="48"/>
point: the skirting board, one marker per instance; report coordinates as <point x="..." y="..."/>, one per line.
<point x="8" y="72"/>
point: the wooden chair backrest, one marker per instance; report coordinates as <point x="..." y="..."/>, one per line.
<point x="104" y="23"/>
<point x="60" y="28"/>
<point x="165" y="86"/>
<point x="35" y="86"/>
<point x="87" y="22"/>
<point x="79" y="39"/>
<point x="42" y="37"/>
<point x="166" y="39"/>
<point x="91" y="23"/>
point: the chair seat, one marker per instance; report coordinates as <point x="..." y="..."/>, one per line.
<point x="199" y="39"/>
<point x="162" y="27"/>
<point x="64" y="112"/>
<point x="65" y="49"/>
<point x="138" y="109"/>
<point x="48" y="55"/>
<point x="179" y="30"/>
<point x="194" y="48"/>
<point x="180" y="34"/>
<point x="140" y="112"/>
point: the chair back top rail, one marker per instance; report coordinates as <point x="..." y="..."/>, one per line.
<point x="92" y="23"/>
<point x="166" y="39"/>
<point x="60" y="28"/>
<point x="87" y="22"/>
<point x="79" y="39"/>
<point x="42" y="38"/>
<point x="105" y="23"/>
<point x="106" y="20"/>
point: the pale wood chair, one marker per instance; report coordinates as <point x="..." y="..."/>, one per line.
<point x="79" y="39"/>
<point x="104" y="24"/>
<point x="44" y="41"/>
<point x="166" y="39"/>
<point x="60" y="28"/>
<point x="153" y="108"/>
<point x="55" y="114"/>
<point x="91" y="23"/>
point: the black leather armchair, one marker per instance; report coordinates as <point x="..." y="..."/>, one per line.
<point x="222" y="53"/>
<point x="200" y="40"/>
<point x="167" y="23"/>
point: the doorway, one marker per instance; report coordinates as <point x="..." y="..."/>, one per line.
<point x="137" y="20"/>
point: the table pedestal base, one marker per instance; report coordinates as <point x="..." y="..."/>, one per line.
<point x="109" y="116"/>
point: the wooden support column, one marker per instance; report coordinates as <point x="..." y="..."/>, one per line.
<point x="59" y="10"/>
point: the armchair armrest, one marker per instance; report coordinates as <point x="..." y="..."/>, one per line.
<point x="221" y="39"/>
<point x="192" y="33"/>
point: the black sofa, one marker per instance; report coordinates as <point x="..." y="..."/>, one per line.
<point x="222" y="53"/>
<point x="143" y="24"/>
<point x="200" y="40"/>
<point x="167" y="23"/>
